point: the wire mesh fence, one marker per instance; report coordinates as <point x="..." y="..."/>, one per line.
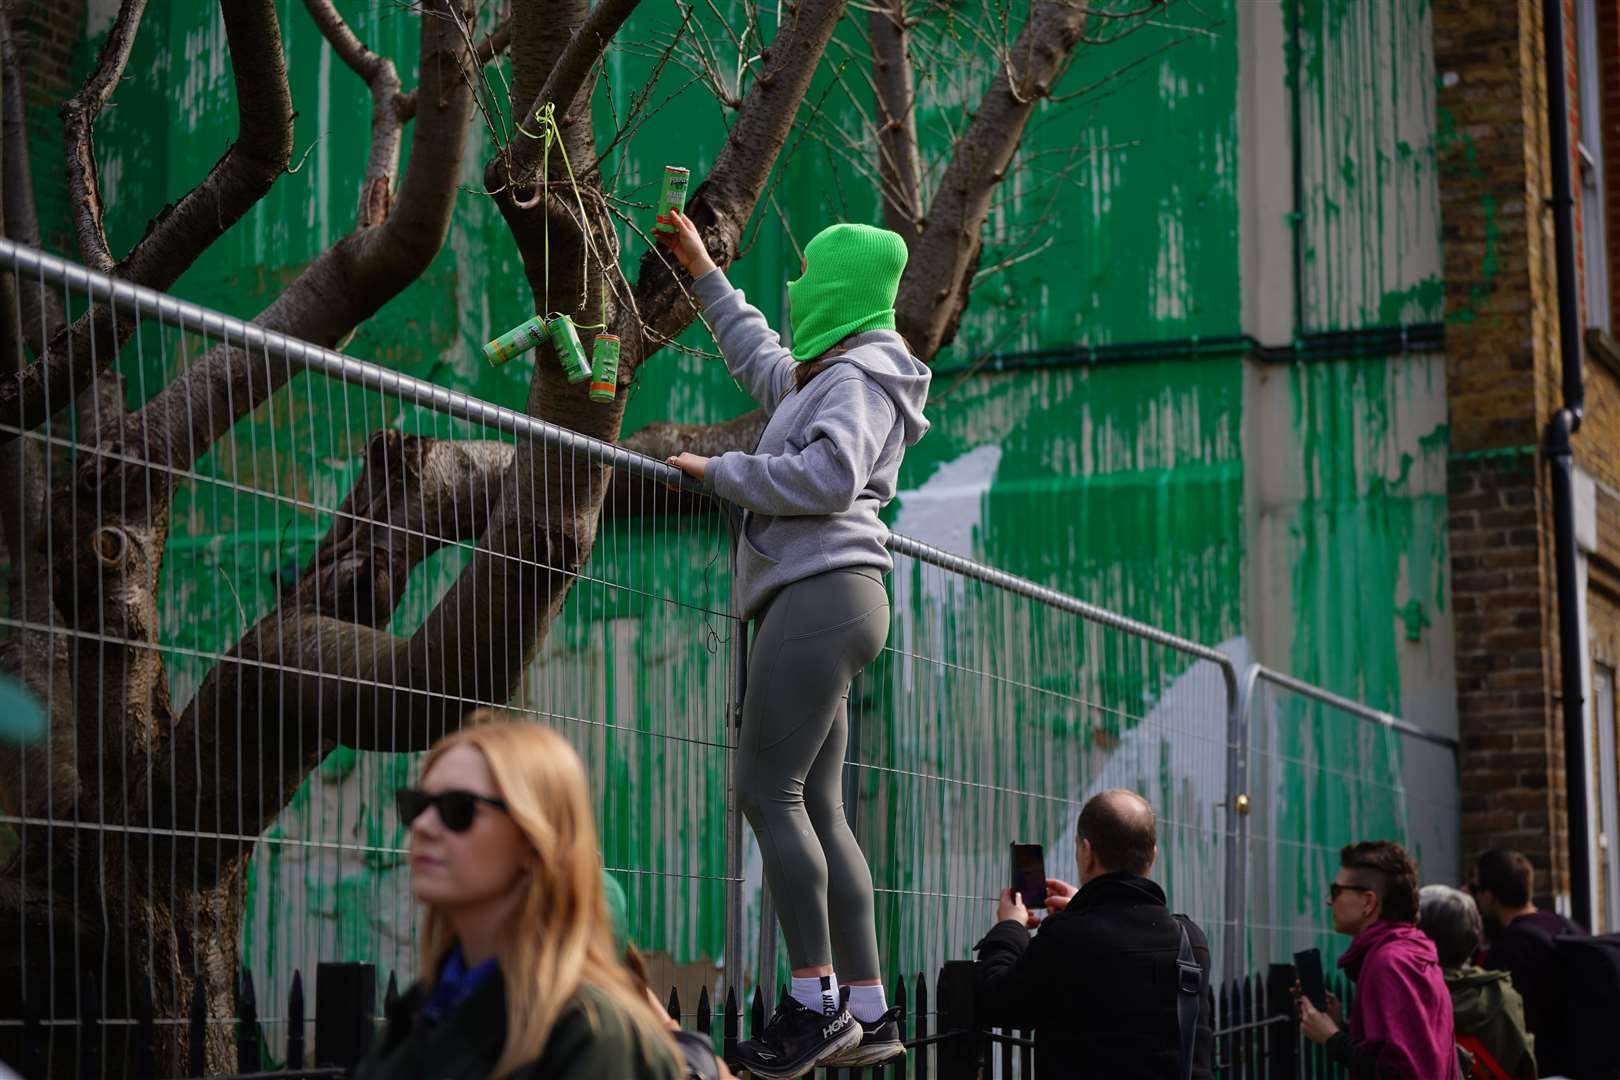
<point x="251" y="580"/>
<point x="1323" y="772"/>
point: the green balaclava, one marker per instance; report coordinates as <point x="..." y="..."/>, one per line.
<point x="851" y="276"/>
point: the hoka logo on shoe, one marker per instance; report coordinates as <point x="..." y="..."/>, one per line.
<point x="836" y="1026"/>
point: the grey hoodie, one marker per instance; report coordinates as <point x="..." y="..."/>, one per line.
<point x="829" y="456"/>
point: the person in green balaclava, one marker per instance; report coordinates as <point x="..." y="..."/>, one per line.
<point x="845" y="402"/>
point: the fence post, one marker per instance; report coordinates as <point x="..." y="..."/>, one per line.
<point x="1282" y="1040"/>
<point x="247" y="1024"/>
<point x="731" y="971"/>
<point x="90" y="1029"/>
<point x="958" y="1058"/>
<point x="1239" y="690"/>
<point x="197" y="1027"/>
<point x="345" y="1002"/>
<point x="33" y="1037"/>
<point x="144" y="1053"/>
<point x="733" y="1023"/>
<point x="295" y="1023"/>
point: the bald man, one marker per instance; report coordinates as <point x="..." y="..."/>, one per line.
<point x="1100" y="983"/>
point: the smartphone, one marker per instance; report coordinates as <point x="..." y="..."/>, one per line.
<point x="1308" y="965"/>
<point x="1029" y="875"/>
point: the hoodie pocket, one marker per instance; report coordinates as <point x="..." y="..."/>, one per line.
<point x="750" y="552"/>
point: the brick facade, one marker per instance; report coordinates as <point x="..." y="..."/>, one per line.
<point x="1504" y="384"/>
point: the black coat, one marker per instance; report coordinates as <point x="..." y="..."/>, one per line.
<point x="1099" y="985"/>
<point x="468" y="1043"/>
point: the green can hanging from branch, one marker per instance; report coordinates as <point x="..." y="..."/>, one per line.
<point x="605" y="360"/>
<point x="672" y="198"/>
<point x="570" y="353"/>
<point x="520" y="339"/>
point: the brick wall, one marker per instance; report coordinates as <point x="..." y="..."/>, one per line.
<point x="1502" y="384"/>
<point x="1504" y="377"/>
<point x="1510" y="764"/>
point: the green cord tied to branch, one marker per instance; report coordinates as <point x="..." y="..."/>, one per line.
<point x="550" y="133"/>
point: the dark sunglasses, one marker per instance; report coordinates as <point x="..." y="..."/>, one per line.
<point x="1336" y="890"/>
<point x="457" y="809"/>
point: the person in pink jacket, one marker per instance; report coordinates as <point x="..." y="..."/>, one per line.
<point x="1401" y="1022"/>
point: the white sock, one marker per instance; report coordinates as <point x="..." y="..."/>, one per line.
<point x="817" y="993"/>
<point x="867" y="1003"/>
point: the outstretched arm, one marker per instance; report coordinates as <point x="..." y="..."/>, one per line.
<point x="753" y="351"/>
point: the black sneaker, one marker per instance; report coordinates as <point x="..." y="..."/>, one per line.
<point x="795" y="1040"/>
<point x="880" y="1041"/>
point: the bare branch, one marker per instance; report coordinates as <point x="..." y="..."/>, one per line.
<point x="568" y="77"/>
<point x="898" y="159"/>
<point x="630" y="497"/>
<point x="349" y="281"/>
<point x="721" y="205"/>
<point x="350" y="49"/>
<point x="489" y="47"/>
<point x="387" y="120"/>
<point x="79" y="116"/>
<point x="247" y="169"/>
<point x="78" y="357"/>
<point x="938" y="277"/>
<point x="321" y="657"/>
<point x="414" y="496"/>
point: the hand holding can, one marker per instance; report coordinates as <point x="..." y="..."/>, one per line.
<point x="672" y="197"/>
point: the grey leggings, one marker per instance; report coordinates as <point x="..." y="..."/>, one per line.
<point x="815" y="636"/>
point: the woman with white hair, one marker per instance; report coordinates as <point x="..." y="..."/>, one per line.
<point x="1489" y="1013"/>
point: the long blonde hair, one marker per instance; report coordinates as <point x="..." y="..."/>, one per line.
<point x="561" y="941"/>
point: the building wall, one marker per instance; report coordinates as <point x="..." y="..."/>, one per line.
<point x="1504" y="360"/>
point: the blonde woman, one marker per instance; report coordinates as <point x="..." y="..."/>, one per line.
<point x="520" y="977"/>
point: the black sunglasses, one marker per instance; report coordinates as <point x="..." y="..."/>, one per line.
<point x="457" y="809"/>
<point x="1336" y="890"/>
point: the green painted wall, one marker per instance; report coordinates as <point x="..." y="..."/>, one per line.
<point x="1279" y="513"/>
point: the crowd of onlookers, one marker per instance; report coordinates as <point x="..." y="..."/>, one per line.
<point x="527" y="968"/>
<point x="1476" y="982"/>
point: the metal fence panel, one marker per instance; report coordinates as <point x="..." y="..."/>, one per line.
<point x="1324" y="772"/>
<point x="354" y="508"/>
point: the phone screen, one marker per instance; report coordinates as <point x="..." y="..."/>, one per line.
<point x="1029" y="875"/>
<point x="1308" y="965"/>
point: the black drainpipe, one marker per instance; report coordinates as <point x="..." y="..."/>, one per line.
<point x="1560" y="456"/>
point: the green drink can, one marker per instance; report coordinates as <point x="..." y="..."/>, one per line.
<point x="570" y="353"/>
<point x="605" y="376"/>
<point x="518" y="340"/>
<point x="672" y="198"/>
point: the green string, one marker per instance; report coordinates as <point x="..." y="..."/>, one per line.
<point x="550" y="133"/>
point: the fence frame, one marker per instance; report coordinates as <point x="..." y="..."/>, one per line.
<point x="145" y="303"/>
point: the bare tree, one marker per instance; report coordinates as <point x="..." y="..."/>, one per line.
<point x="193" y="785"/>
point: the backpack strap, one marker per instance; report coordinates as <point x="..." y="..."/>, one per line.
<point x="1189" y="981"/>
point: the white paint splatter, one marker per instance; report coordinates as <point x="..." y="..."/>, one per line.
<point x="99" y="17"/>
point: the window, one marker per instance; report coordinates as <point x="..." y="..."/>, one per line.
<point x="1608" y="808"/>
<point x="1589" y="148"/>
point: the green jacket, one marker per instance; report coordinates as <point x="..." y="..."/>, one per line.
<point x="1487" y="1007"/>
<point x="468" y="1043"/>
